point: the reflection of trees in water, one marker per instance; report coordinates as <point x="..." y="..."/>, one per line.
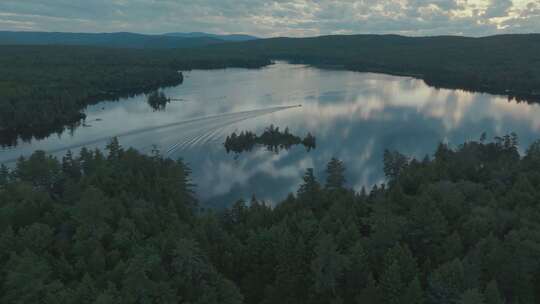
<point x="272" y="138"/>
<point x="11" y="137"/>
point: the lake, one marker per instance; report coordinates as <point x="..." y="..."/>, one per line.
<point x="354" y="117"/>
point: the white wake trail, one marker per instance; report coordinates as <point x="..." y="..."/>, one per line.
<point x="234" y="116"/>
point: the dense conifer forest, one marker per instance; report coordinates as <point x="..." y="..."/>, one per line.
<point x="460" y="226"/>
<point x="45" y="88"/>
<point x="501" y="64"/>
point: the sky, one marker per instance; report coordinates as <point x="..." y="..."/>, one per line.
<point x="293" y="18"/>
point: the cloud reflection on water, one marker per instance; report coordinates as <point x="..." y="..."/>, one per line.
<point x="354" y="116"/>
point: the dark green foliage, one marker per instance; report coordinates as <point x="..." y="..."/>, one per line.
<point x="486" y="64"/>
<point x="471" y="296"/>
<point x="272" y="138"/>
<point x="310" y="191"/>
<point x="44" y="88"/>
<point x="492" y="293"/>
<point x="399" y="275"/>
<point x="328" y="267"/>
<point x="124" y="228"/>
<point x="394" y="164"/>
<point x="94" y="229"/>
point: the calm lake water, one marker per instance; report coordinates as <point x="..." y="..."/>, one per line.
<point x="354" y="116"/>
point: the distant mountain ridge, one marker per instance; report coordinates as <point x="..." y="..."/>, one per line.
<point x="231" y="37"/>
<point x="116" y="40"/>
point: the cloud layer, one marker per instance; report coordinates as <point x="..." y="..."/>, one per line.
<point x="275" y="18"/>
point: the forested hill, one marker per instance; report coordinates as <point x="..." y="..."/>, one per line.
<point x="44" y="88"/>
<point x="230" y="37"/>
<point x="460" y="227"/>
<point x="117" y="40"/>
<point x="504" y="64"/>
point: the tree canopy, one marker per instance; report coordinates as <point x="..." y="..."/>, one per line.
<point x="462" y="226"/>
<point x="44" y="89"/>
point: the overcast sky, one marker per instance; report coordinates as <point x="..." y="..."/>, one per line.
<point x="275" y="18"/>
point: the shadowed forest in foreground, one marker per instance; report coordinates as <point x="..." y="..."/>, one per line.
<point x="462" y="226"/>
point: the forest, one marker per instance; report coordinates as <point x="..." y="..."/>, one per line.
<point x="503" y="64"/>
<point x="115" y="226"/>
<point x="44" y="89"/>
<point x="272" y="139"/>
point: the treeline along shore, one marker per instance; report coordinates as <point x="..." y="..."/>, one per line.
<point x="45" y="88"/>
<point x="502" y="64"/>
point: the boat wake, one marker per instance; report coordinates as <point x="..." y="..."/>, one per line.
<point x="193" y="132"/>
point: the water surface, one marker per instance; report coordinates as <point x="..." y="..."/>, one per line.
<point x="354" y="116"/>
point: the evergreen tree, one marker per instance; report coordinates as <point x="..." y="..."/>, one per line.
<point x="392" y="286"/>
<point x="70" y="166"/>
<point x="40" y="170"/>
<point x="335" y="171"/>
<point x="114" y="149"/>
<point x="86" y="290"/>
<point x="28" y="278"/>
<point x="357" y="274"/>
<point x="399" y="272"/>
<point x="394" y="164"/>
<point x="309" y="191"/>
<point x="492" y="293"/>
<point x="108" y="296"/>
<point x="328" y="266"/>
<point x="427" y="227"/>
<point x="446" y="283"/>
<point x="471" y="296"/>
<point x="414" y="293"/>
<point x="371" y="294"/>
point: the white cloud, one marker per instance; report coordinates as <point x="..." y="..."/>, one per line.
<point x="273" y="18"/>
